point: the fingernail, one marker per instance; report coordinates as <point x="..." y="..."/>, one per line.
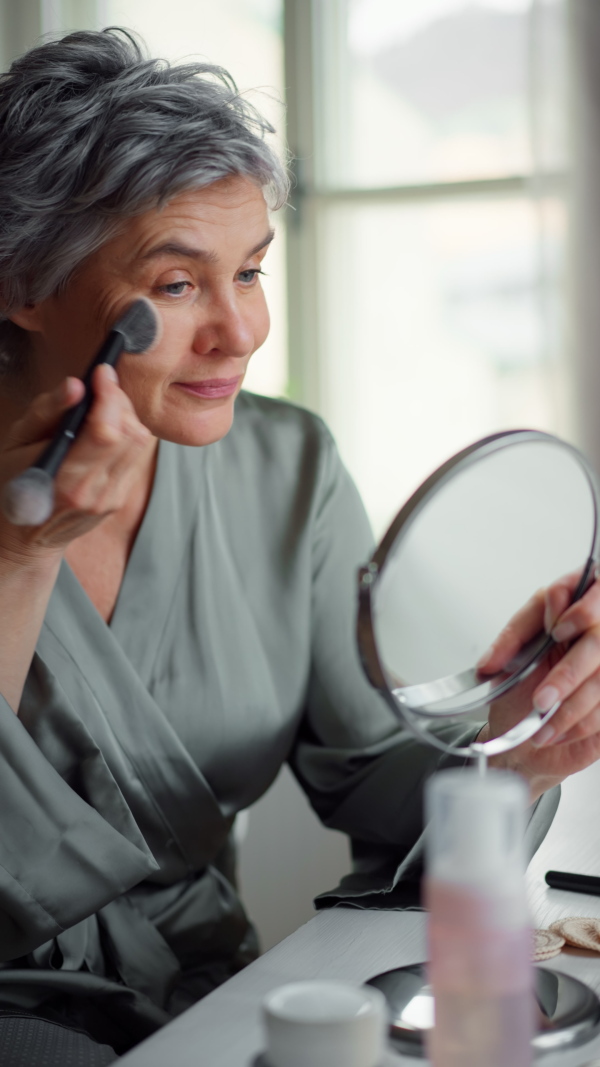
<point x="564" y="631"/>
<point x="485" y="659"/>
<point x="548" y="620"/>
<point x="546" y="698"/>
<point x="543" y="736"/>
<point x="110" y="372"/>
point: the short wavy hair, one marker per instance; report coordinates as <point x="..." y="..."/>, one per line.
<point x="92" y="131"/>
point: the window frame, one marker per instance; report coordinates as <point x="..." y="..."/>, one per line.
<point x="306" y="344"/>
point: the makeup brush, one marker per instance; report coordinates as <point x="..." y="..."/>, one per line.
<point x="28" y="499"/>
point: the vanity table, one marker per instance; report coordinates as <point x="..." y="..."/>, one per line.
<point x="223" y="1030"/>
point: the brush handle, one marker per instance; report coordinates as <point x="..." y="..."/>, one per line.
<point x="574" y="883"/>
<point x="52" y="456"/>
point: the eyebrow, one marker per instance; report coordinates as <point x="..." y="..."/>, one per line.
<point x="174" y="248"/>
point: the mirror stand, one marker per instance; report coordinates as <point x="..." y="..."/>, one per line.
<point x="419" y="724"/>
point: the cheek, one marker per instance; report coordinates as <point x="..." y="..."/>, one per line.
<point x="72" y="344"/>
<point x="140" y="377"/>
<point x="262" y="324"/>
<point x="148" y="372"/>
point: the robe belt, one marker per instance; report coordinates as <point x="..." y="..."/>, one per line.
<point x="149" y="937"/>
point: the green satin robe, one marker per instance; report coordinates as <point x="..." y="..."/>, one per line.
<point x="231" y="650"/>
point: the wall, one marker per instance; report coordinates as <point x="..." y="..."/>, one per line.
<point x="286" y="858"/>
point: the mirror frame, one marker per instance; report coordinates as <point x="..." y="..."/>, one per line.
<point x="414" y="705"/>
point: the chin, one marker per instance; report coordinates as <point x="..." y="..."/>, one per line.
<point x="198" y="429"/>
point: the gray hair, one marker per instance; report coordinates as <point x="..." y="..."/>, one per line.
<point x="93" y="132"/>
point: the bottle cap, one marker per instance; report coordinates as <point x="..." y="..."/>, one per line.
<point x="476" y="828"/>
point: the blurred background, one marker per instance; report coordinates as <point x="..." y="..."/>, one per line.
<point x="433" y="278"/>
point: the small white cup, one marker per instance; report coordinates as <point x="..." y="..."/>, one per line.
<point x="325" y="1024"/>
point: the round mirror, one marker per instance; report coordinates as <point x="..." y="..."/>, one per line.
<point x="505" y="517"/>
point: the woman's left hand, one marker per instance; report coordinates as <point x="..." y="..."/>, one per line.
<point x="570" y="675"/>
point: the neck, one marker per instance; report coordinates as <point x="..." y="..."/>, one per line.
<point x="120" y="528"/>
<point x="99" y="558"/>
<point x="127" y="520"/>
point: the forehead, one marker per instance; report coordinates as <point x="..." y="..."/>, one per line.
<point x="227" y="218"/>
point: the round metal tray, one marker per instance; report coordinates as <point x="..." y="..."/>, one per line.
<point x="569" y="1009"/>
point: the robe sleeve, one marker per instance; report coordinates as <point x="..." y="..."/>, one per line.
<point x="364" y="774"/>
<point x="61" y="859"/>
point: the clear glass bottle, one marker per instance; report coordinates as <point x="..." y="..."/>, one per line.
<point x="479" y="932"/>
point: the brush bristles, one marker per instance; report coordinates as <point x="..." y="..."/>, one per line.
<point x="139" y="326"/>
<point x="28" y="500"/>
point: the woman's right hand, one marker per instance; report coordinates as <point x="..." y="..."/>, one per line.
<point x="96" y="475"/>
<point x="93" y="482"/>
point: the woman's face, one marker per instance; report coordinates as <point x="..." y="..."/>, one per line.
<point x="198" y="261"/>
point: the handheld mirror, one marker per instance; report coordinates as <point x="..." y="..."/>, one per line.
<point x="503" y="518"/>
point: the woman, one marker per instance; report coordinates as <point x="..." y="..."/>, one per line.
<point x="183" y="623"/>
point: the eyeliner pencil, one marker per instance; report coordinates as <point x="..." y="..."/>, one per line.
<point x="575" y="883"/>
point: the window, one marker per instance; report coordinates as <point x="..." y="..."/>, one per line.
<point x="430" y="223"/>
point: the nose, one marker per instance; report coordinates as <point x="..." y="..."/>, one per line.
<point x="227" y="328"/>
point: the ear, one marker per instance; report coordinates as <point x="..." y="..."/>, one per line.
<point x="28" y="317"/>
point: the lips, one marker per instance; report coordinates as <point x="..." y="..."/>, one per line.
<point x="211" y="388"/>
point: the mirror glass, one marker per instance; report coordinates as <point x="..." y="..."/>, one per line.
<point x="501" y="520"/>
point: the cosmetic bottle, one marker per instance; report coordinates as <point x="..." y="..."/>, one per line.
<point x="479" y="932"/>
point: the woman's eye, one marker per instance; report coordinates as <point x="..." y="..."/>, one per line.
<point x="174" y="288"/>
<point x="249" y="276"/>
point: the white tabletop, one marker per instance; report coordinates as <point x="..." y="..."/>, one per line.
<point x="224" y="1030"/>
